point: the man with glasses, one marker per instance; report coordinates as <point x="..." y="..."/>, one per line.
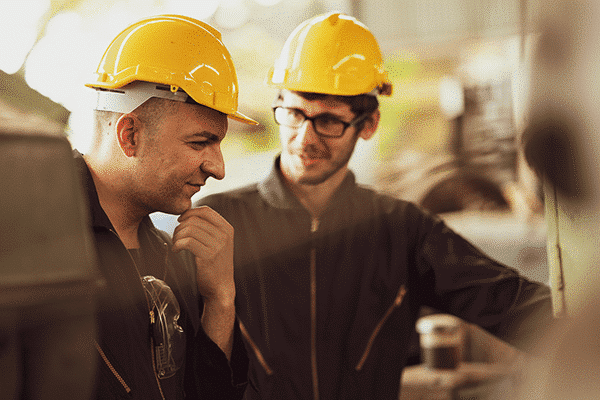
<point x="165" y="87"/>
<point x="330" y="275"/>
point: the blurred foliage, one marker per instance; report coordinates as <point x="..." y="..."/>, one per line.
<point x="411" y="117"/>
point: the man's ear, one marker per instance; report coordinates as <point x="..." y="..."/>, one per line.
<point x="128" y="133"/>
<point x="371" y="125"/>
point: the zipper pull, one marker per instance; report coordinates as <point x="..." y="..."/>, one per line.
<point x="314" y="225"/>
<point x="152" y="317"/>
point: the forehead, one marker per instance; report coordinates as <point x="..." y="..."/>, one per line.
<point x="328" y="104"/>
<point x="190" y="119"/>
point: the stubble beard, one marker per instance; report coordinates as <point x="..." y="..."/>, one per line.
<point x="170" y="200"/>
<point x="336" y="165"/>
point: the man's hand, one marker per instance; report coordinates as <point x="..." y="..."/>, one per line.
<point x="210" y="238"/>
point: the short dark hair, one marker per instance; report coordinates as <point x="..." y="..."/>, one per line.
<point x="153" y="110"/>
<point x="359" y="104"/>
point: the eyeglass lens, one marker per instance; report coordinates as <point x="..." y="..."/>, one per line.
<point x="325" y="125"/>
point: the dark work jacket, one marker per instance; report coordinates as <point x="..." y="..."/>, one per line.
<point x="125" y="366"/>
<point x="328" y="306"/>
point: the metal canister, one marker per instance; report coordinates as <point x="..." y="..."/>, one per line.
<point x="441" y="340"/>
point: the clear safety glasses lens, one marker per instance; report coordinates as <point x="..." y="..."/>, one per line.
<point x="168" y="336"/>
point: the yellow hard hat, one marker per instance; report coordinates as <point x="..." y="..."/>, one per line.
<point x="333" y="54"/>
<point x="181" y="54"/>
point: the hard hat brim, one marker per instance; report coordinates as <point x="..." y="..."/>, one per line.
<point x="238" y="116"/>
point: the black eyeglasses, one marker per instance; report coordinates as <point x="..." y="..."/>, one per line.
<point x="325" y="125"/>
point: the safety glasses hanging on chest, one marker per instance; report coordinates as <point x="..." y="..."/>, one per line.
<point x="167" y="335"/>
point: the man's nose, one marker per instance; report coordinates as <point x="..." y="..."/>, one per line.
<point x="306" y="133"/>
<point x="213" y="164"/>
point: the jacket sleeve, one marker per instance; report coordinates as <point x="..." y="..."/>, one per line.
<point x="209" y="375"/>
<point x="457" y="278"/>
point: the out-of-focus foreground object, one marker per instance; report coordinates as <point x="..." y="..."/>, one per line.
<point x="460" y="361"/>
<point x="440" y="340"/>
<point x="562" y="145"/>
<point x="48" y="275"/>
<point x="25" y="110"/>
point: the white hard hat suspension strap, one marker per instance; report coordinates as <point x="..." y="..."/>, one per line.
<point x="128" y="98"/>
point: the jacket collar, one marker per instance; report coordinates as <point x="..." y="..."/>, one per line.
<point x="277" y="194"/>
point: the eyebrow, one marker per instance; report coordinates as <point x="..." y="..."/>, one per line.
<point x="206" y="135"/>
<point x="324" y="114"/>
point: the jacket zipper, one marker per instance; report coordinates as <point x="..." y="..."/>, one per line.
<point x="388" y="312"/>
<point x="313" y="318"/>
<point x="112" y="369"/>
<point x="152" y="320"/>
<point x="313" y="312"/>
<point x="257" y="352"/>
<point x="103" y="356"/>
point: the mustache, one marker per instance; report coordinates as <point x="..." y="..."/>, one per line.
<point x="311" y="151"/>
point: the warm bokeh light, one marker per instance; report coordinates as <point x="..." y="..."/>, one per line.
<point x="232" y="14"/>
<point x="57" y="63"/>
<point x="452" y="99"/>
<point x="18" y="31"/>
<point x="201" y="10"/>
<point x="267" y="3"/>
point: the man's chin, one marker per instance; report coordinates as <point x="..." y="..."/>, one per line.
<point x="305" y="175"/>
<point x="179" y="208"/>
<point x="312" y="180"/>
